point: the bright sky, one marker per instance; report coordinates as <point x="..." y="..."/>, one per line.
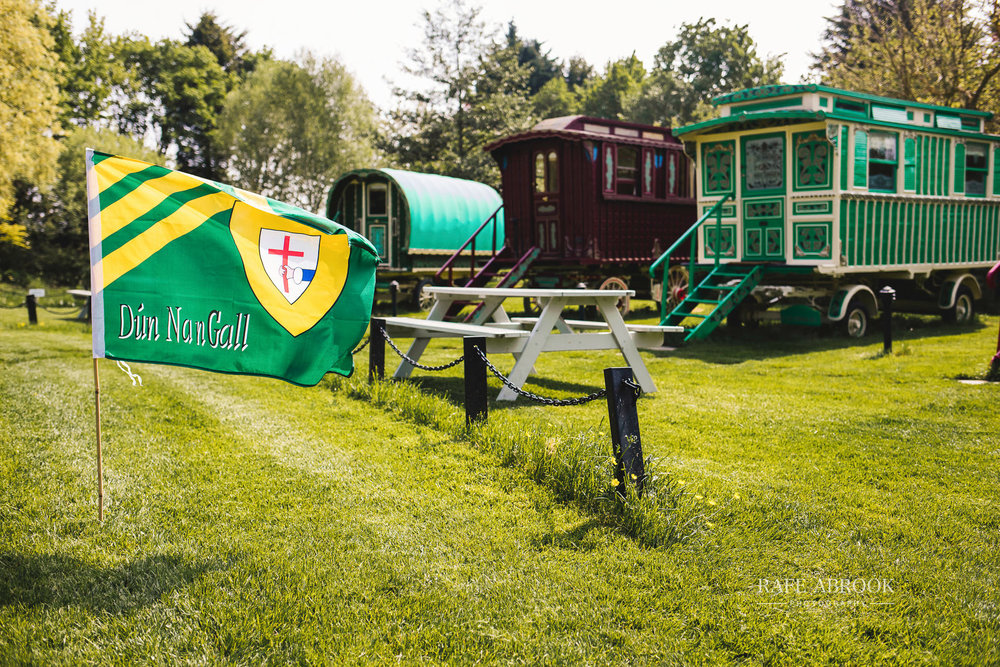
<point x="371" y="36"/>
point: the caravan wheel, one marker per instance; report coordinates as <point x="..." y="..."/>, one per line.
<point x="624" y="303"/>
<point x="964" y="310"/>
<point x="855" y="323"/>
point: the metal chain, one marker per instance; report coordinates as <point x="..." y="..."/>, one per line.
<point x="66" y="309"/>
<point x="535" y="397"/>
<point x="20" y="305"/>
<point x="362" y="346"/>
<point x="633" y="386"/>
<point x="414" y="363"/>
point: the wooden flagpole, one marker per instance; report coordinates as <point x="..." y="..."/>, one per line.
<point x="100" y="462"/>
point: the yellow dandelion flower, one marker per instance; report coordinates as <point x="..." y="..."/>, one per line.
<point x="711" y="502"/>
<point x="697" y="497"/>
<point x="710" y="524"/>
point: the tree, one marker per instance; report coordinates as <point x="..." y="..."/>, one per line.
<point x="475" y="90"/>
<point x="56" y="218"/>
<point x="541" y="66"/>
<point x="29" y="98"/>
<point x="704" y="61"/>
<point x="555" y="99"/>
<point x="612" y="95"/>
<point x="228" y="45"/>
<point x="936" y="51"/>
<point x="290" y="129"/>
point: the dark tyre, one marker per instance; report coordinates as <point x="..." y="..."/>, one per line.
<point x="964" y="310"/>
<point x="855" y="324"/>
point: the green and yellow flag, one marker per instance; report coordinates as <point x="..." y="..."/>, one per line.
<point x="191" y="272"/>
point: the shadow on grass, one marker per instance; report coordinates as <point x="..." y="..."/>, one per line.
<point x="54" y="580"/>
<point x="733" y="346"/>
<point x="574" y="538"/>
<point x="453" y="389"/>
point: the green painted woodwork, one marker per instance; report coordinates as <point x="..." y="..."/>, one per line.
<point x="801" y="314"/>
<point x="763" y="165"/>
<point x="812" y="240"/>
<point x="959" y="168"/>
<point x="763" y="208"/>
<point x="812" y="161"/>
<point x="763" y="230"/>
<point x="909" y="164"/>
<point x="824" y="102"/>
<point x="764" y="106"/>
<point x="727" y="233"/>
<point x="890" y="232"/>
<point x="850" y="108"/>
<point x="860" y="159"/>
<point x="844" y="134"/>
<point x="727" y="211"/>
<point x="717" y="167"/>
<point x="996" y="170"/>
<point x="812" y="207"/>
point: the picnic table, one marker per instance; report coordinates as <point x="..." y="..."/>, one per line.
<point x="527" y="337"/>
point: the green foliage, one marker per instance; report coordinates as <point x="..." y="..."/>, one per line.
<point x="542" y="67"/>
<point x="935" y="51"/>
<point x="57" y="220"/>
<point x="29" y="109"/>
<point x="293" y="128"/>
<point x="614" y="93"/>
<point x="555" y="99"/>
<point x="474" y="91"/>
<point x="705" y="60"/>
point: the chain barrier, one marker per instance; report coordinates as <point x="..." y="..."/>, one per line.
<point x="20" y="305"/>
<point x="535" y="397"/>
<point x="66" y="309"/>
<point x="362" y="346"/>
<point x="414" y="363"/>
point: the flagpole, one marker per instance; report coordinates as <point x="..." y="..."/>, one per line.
<point x="100" y="462"/>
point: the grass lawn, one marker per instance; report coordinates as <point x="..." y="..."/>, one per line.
<point x="834" y="505"/>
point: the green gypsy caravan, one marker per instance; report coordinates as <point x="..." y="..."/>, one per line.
<point x="415" y="221"/>
<point x="812" y="199"/>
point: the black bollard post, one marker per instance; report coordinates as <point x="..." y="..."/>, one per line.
<point x="476" y="408"/>
<point x="394" y="296"/>
<point x="886" y="296"/>
<point x="376" y="349"/>
<point x="624" y="420"/>
<point x="29" y="301"/>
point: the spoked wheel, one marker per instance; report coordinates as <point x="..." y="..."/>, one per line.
<point x="421" y="300"/>
<point x="616" y="283"/>
<point x="676" y="288"/>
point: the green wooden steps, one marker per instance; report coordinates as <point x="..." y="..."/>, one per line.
<point x="722" y="290"/>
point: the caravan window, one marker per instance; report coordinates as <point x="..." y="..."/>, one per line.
<point x="975" y="169"/>
<point x="882" y="162"/>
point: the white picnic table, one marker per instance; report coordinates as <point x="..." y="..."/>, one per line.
<point x="527" y="338"/>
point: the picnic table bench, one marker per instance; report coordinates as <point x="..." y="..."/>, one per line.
<point x="526" y="338"/>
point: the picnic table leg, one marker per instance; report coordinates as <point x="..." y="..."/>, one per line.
<point x="534" y="346"/>
<point x="418" y="345"/>
<point x="627" y="346"/>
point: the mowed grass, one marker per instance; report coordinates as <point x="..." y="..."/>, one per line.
<point x="841" y="507"/>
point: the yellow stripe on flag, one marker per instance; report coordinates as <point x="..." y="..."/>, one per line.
<point x="254" y="199"/>
<point x="113" y="169"/>
<point x="143" y="199"/>
<point x="182" y="221"/>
